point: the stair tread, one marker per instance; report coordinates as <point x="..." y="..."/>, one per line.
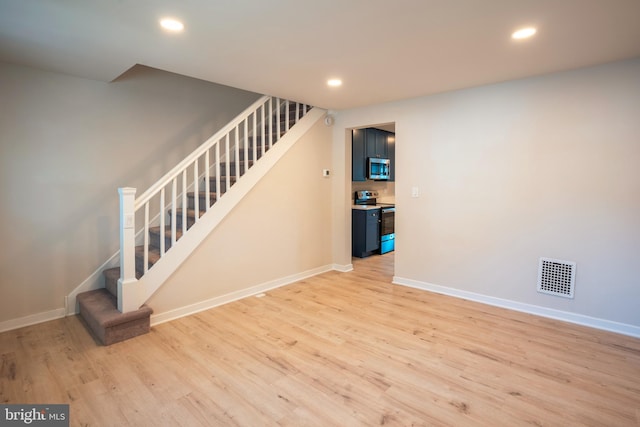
<point x="233" y="162"/>
<point x="213" y="196"/>
<point x="167" y="231"/>
<point x="191" y="213"/>
<point x="114" y="274"/>
<point x="154" y="253"/>
<point x="202" y="193"/>
<point x="240" y="162"/>
<point x="232" y="178"/>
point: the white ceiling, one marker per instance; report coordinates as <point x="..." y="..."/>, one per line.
<point x="383" y="50"/>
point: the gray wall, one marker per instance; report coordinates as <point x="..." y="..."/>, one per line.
<point x="66" y="145"/>
<point x="509" y="173"/>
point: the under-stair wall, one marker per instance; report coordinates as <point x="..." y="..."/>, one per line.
<point x="278" y="233"/>
<point x="256" y="139"/>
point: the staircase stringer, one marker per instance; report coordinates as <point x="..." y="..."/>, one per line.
<point x="167" y="265"/>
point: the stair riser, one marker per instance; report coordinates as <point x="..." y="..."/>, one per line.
<point x="190" y="222"/>
<point x="292" y="112"/>
<point x="190" y="218"/>
<point x="111" y="276"/>
<point x="250" y="155"/>
<point x="154" y="256"/>
<point x="191" y="203"/>
<point x="154" y="240"/>
<point x="140" y="265"/>
<point x="283" y="121"/>
<point x="232" y="168"/>
<point x="258" y="140"/>
<point x="111" y="285"/>
<point x="223" y="185"/>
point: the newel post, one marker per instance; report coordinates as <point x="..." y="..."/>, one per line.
<point x="128" y="296"/>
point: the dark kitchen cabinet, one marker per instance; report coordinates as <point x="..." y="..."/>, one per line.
<point x="367" y="143"/>
<point x="391" y="148"/>
<point x="359" y="156"/>
<point x="365" y="232"/>
<point x="376" y="143"/>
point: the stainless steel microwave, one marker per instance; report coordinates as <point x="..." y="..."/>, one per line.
<point x="378" y="169"/>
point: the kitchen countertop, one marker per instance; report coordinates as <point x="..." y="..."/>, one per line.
<point x="365" y="207"/>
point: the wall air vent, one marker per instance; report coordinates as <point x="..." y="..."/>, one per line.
<point x="556" y="277"/>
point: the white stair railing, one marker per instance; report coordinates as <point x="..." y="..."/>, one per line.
<point x="222" y="160"/>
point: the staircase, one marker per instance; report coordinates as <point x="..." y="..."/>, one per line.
<point x="194" y="188"/>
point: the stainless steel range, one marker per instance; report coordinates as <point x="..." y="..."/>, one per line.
<point x="387" y="228"/>
<point x="387" y="218"/>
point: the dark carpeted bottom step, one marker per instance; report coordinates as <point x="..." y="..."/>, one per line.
<point x="99" y="309"/>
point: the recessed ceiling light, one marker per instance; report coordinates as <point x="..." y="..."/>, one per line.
<point x="172" y="24"/>
<point x="523" y="33"/>
<point x="334" y="82"/>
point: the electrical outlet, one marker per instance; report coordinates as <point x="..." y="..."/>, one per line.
<point x="415" y="192"/>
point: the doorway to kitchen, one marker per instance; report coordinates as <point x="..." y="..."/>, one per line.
<point x="373" y="197"/>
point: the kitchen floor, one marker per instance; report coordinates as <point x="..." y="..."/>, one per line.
<point x="383" y="266"/>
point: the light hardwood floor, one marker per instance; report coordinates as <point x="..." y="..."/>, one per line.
<point x="339" y="349"/>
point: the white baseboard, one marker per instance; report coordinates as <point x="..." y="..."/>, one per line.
<point x="33" y="319"/>
<point x="342" y="268"/>
<point x="580" y="319"/>
<point x="156" y="319"/>
<point x="177" y="313"/>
